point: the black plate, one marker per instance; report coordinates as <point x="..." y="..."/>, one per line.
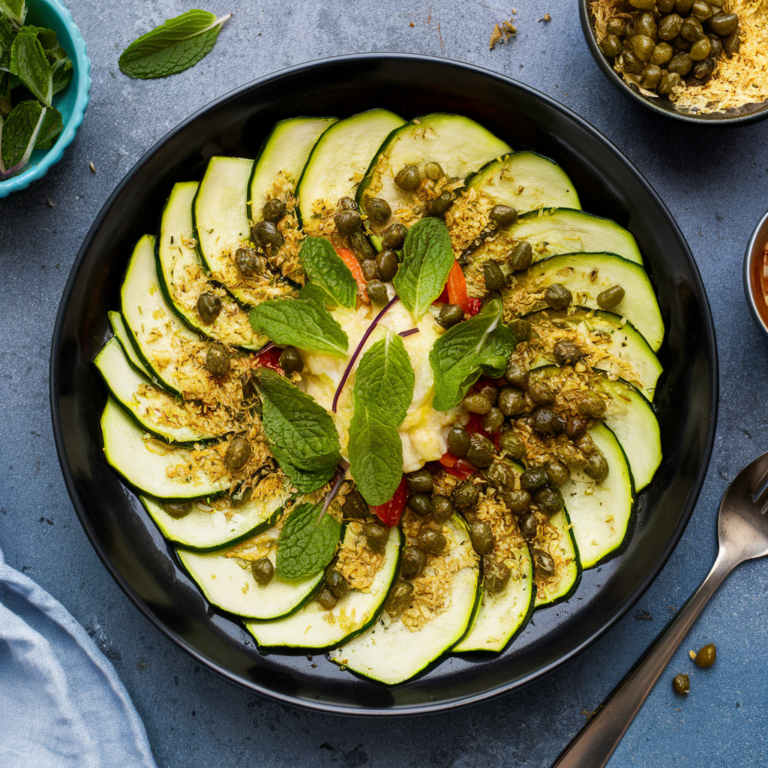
<point x="127" y="540"/>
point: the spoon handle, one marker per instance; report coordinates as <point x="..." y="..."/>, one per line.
<point x="594" y="744"/>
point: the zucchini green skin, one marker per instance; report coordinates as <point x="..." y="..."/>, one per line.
<point x="569" y="587"/>
<point x="123" y="337"/>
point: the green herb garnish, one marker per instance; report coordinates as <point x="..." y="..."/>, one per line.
<point x="177" y="44"/>
<point x="480" y="345"/>
<point x="15" y="10"/>
<point x="330" y="280"/>
<point x="307" y="542"/>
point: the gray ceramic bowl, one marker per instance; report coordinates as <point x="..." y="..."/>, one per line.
<point x="752" y="258"/>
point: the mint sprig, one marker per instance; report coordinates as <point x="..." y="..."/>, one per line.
<point x="480" y="345"/>
<point x="427" y="261"/>
<point x="177" y="44"/>
<point x="330" y="280"/>
<point x="306" y="543"/>
<point x="30" y="64"/>
<point x="29" y="125"/>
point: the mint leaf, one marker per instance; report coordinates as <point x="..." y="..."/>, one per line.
<point x="7" y="36"/>
<point x="29" y="125"/>
<point x="62" y="74"/>
<point x="327" y="271"/>
<point x="177" y="44"/>
<point x="427" y="260"/>
<point x="300" y="432"/>
<point x="30" y="64"/>
<point x="305" y="545"/>
<point x="479" y="345"/>
<point x="300" y="323"/>
<point x="305" y="481"/>
<point x="15" y="10"/>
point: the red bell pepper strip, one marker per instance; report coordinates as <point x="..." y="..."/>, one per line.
<point x="473" y="306"/>
<point x="457" y="287"/>
<point x="390" y="512"/>
<point x="357" y="272"/>
<point x="270" y="358"/>
<point x="461" y="469"/>
<point x="448" y="459"/>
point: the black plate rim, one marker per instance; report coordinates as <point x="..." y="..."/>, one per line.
<point x="325" y="707"/>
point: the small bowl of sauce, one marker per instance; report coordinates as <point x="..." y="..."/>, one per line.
<point x="756" y="274"/>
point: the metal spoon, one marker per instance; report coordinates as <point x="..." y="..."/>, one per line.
<point x="742" y="526"/>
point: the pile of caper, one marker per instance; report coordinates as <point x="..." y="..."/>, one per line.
<point x="668" y="40"/>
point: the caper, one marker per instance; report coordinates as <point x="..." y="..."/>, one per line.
<point x="177" y="509"/>
<point x="511" y="444"/>
<point x="387" y="265"/>
<point x="717" y="46"/>
<point x="208" y="306"/>
<point x="557" y="472"/>
<point x="335" y="581"/>
<point x="692" y="29"/>
<point x="521" y="329"/>
<point x="394" y="236"/>
<point x="617" y="26"/>
<point x="376" y="536"/>
<point x="377" y="292"/>
<point x="631" y="63"/>
<point x="681" y="684"/>
<point x="291" y="361"/>
<point x="398" y="599"/>
<point x="732" y="42"/>
<point x="549" y="499"/>
<point x="263" y="571"/>
<point x="704" y="68"/>
<point x="348" y="222"/>
<point x="546" y="422"/>
<point x="217" y="360"/>
<point x="408" y="178"/>
<point x="669" y="80"/>
<point x="458" y="441"/>
<point x="412" y="562"/>
<point x="466" y="495"/>
<point x="237" y="455"/>
<point x="488" y="390"/>
<point x="432" y="541"/>
<point x="701" y="10"/>
<point x="519" y="502"/>
<point x="521" y="256"/>
<point x="533" y="478"/>
<point x="378" y="209"/>
<point x="611" y="46"/>
<point x="670" y="26"/>
<point x="723" y="23"/>
<point x="566" y="353"/>
<point x="439" y="205"/>
<point x="651" y="76"/>
<point x="642" y="47"/>
<point x="700" y="49"/>
<point x="493" y="420"/>
<point x="511" y="401"/>
<point x="716" y="3"/>
<point x="610" y="297"/>
<point x="249" y="262"/>
<point x="591" y="404"/>
<point x="540" y="391"/>
<point x="681" y="64"/>
<point x="543" y="563"/>
<point x="495" y="576"/>
<point x="419" y="481"/>
<point x="662" y="53"/>
<point x="347" y="204"/>
<point x="646" y="25"/>
<point x="273" y="210"/>
<point x="596" y="467"/>
<point x="643" y="5"/>
<point x="706" y="656"/>
<point x="681" y="44"/>
<point x="361" y="246"/>
<point x="433" y="171"/>
<point x="482" y="537"/>
<point x="529" y="526"/>
<point x="481" y="451"/>
<point x="355" y="506"/>
<point x="494" y="277"/>
<point x="501" y="475"/>
<point x="575" y="427"/>
<point x="369" y="269"/>
<point x="503" y="215"/>
<point x="476" y="402"/>
<point x="266" y="234"/>
<point x="327" y="600"/>
<point x="557" y="296"/>
<point x="420" y="503"/>
<point x="665" y="6"/>
<point x="683" y="6"/>
<point x="442" y="508"/>
<point x="450" y="314"/>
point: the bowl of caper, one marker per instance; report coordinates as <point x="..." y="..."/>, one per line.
<point x="698" y="61"/>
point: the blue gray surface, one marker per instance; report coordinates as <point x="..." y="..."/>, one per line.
<point x="714" y="182"/>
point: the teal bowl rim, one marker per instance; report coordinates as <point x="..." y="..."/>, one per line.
<point x="82" y="67"/>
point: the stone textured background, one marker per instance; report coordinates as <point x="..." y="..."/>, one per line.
<point x="713" y="180"/>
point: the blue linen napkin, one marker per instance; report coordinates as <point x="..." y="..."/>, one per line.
<point x="62" y="704"/>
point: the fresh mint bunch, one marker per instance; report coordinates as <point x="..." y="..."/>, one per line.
<point x="177" y="44"/>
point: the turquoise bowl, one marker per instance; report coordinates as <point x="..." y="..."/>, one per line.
<point x="71" y="102"/>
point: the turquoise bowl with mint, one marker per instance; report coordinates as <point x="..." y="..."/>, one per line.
<point x="54" y="87"/>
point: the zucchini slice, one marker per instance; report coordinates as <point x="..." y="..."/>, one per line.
<point x="586" y="275"/>
<point x="606" y="342"/>
<point x="227" y="582"/>
<point x="500" y="617"/>
<point x="526" y="181"/>
<point x="458" y="144"/>
<point x="390" y="652"/>
<point x="124" y="338"/>
<point x="214" y="525"/>
<point x="338" y="162"/>
<point x="154" y="410"/>
<point x="562" y="230"/>
<point x="314" y="627"/>
<point x="600" y="513"/>
<point x="146" y="466"/>
<point x="556" y="540"/>
<point x="282" y="159"/>
<point x="183" y="280"/>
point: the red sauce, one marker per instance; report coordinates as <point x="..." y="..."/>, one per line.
<point x="759" y="283"/>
